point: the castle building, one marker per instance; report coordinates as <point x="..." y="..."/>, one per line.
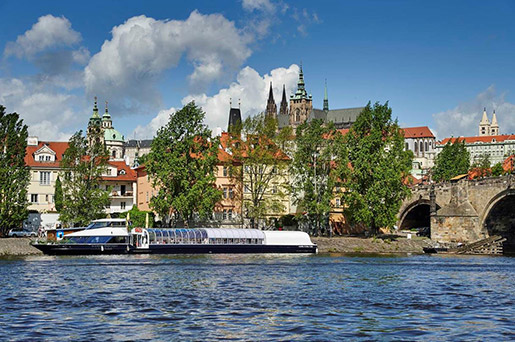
<point x="301" y="108"/>
<point x="271" y="107"/>
<point x="234" y="120"/>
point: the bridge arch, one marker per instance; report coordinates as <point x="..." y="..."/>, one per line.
<point x="417" y="214"/>
<point x="498" y="218"/>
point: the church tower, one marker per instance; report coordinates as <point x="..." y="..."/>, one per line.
<point x="271" y="107"/>
<point x="234" y="125"/>
<point x="283" y="110"/>
<point x="106" y="119"/>
<point x="484" y="125"/>
<point x="494" y="127"/>
<point x="301" y="103"/>
<point x="95" y="134"/>
<point x="326" y="100"/>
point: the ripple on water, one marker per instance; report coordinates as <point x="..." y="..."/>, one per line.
<point x="315" y="298"/>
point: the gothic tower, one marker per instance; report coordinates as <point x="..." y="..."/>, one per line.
<point x="283" y="110"/>
<point x="271" y="107"/>
<point x="234" y="125"/>
<point x="301" y="103"/>
<point x="484" y="125"/>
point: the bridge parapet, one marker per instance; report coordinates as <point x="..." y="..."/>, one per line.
<point x="460" y="208"/>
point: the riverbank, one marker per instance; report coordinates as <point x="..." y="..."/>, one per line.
<point x="383" y="245"/>
<point x="17" y="247"/>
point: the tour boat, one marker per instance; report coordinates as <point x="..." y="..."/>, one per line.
<point x="118" y="240"/>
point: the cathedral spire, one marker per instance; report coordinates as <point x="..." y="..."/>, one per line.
<point x="326" y="100"/>
<point x="271" y="107"/>
<point x="284" y="103"/>
<point x="494" y="127"/>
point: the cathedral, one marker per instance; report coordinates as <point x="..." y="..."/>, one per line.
<point x="301" y="109"/>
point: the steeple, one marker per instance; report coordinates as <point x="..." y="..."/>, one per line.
<point x="106" y="119"/>
<point x="284" y="103"/>
<point x="95" y="118"/>
<point x="271" y="107"/>
<point x="494" y="127"/>
<point x="326" y="100"/>
<point x="484" y="124"/>
<point x="301" y="92"/>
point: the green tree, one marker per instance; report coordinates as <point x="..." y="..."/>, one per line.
<point x="138" y="218"/>
<point x="58" y="195"/>
<point x="481" y="166"/>
<point x="14" y="174"/>
<point x="497" y="170"/>
<point x="261" y="150"/>
<point x="82" y="167"/>
<point x="313" y="179"/>
<point x="372" y="165"/>
<point x="453" y="160"/>
<point x="182" y="164"/>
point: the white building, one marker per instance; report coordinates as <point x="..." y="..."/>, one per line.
<point x="422" y="142"/>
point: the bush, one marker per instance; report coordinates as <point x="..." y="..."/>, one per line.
<point x="137" y="217"/>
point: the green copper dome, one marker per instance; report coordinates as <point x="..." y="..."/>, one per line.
<point x="111" y="134"/>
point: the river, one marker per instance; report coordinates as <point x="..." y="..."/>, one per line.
<point x="257" y="298"/>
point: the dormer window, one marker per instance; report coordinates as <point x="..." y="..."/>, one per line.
<point x="122" y="172"/>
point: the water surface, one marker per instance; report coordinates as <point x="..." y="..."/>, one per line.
<point x="257" y="297"/>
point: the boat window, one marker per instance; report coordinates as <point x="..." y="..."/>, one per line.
<point x="98" y="239"/>
<point x="118" y="239"/>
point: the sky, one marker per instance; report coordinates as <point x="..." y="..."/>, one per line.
<point x="437" y="63"/>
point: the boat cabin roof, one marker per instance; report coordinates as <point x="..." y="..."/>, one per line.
<point x="105" y="231"/>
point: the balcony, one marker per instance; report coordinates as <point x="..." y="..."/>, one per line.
<point x="126" y="194"/>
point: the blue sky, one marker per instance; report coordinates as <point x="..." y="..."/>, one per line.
<point x="437" y="63"/>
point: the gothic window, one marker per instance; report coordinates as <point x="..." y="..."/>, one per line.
<point x="416" y="147"/>
<point x="407" y="147"/>
<point x="421" y="146"/>
<point x="426" y="146"/>
<point x="297" y="115"/>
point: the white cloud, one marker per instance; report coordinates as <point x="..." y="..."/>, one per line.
<point x="463" y="120"/>
<point x="251" y="89"/>
<point x="49" y="115"/>
<point x="149" y="131"/>
<point x="47" y="33"/>
<point x="259" y="5"/>
<point x="141" y="49"/>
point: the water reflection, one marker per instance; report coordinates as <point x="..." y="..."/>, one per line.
<point x="209" y="297"/>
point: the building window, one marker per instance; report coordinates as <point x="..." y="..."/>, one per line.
<point x="34" y="198"/>
<point x="44" y="177"/>
<point x="114" y="154"/>
<point x="225" y="192"/>
<point x="416" y="147"/>
<point x="147" y="196"/>
<point x="247" y="189"/>
<point x="426" y="146"/>
<point x="225" y="171"/>
<point x="229" y="214"/>
<point x="231" y="193"/>
<point x="337" y="202"/>
<point x="406" y="147"/>
<point x="122" y="205"/>
<point x="421" y="146"/>
<point x="224" y="214"/>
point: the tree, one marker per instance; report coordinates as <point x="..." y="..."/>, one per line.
<point x="260" y="149"/>
<point x="138" y="218"/>
<point x="182" y="164"/>
<point x="372" y="165"/>
<point x="82" y="167"/>
<point x="453" y="160"/>
<point x="58" y="195"/>
<point x="497" y="170"/>
<point x="313" y="179"/>
<point x="481" y="167"/>
<point x="14" y="174"/>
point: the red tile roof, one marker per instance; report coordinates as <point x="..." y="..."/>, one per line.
<point x="483" y="139"/>
<point x="57" y="146"/>
<point x="508" y="163"/>
<point x="130" y="174"/>
<point x="418" y="132"/>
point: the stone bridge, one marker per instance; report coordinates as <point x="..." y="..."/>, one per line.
<point x="464" y="210"/>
